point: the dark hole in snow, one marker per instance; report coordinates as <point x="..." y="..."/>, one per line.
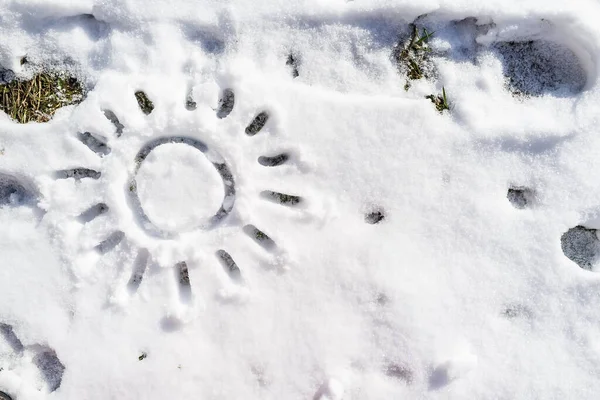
<point x="535" y="68"/>
<point x="374" y="217"/>
<point x="520" y="197"/>
<point x="4" y="396"/>
<point x="581" y="245"/>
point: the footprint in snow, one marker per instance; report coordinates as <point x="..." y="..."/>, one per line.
<point x="48" y="370"/>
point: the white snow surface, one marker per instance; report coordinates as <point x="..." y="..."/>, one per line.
<point x="454" y="294"/>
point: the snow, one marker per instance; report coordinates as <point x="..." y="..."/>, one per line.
<point x="239" y="277"/>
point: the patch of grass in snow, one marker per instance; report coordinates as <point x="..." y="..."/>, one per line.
<point x="440" y="101"/>
<point x="412" y="57"/>
<point x="38" y="99"/>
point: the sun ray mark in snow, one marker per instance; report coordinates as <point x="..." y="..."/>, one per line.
<point x="95" y="144"/>
<point x="183" y="281"/>
<point x="230" y="265"/>
<point x="77" y="174"/>
<point x="273" y="161"/>
<point x="110" y="242"/>
<point x="226" y="103"/>
<point x="281" y="198"/>
<point x="260" y="237"/>
<point x="257" y="124"/>
<point x="139" y="268"/>
<point x="92" y="212"/>
<point x="112" y="117"/>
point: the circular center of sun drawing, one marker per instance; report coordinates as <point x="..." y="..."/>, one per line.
<point x="179" y="185"/>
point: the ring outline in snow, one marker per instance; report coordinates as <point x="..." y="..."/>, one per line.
<point x="215" y="159"/>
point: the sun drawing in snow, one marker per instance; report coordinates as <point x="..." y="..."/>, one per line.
<point x="173" y="199"/>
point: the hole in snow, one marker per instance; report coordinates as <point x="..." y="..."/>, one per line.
<point x="520" y="197"/>
<point x="374" y="217"/>
<point x="273" y="161"/>
<point x="257" y="123"/>
<point x="226" y="103"/>
<point x="535" y="68"/>
<point x="51" y="368"/>
<point x="4" y="396"/>
<point x="581" y="245"/>
<point x="95" y="144"/>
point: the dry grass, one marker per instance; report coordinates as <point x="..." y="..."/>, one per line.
<point x="38" y="99"/>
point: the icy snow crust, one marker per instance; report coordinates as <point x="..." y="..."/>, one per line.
<point x="366" y="246"/>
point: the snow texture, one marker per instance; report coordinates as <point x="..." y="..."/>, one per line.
<point x="287" y="221"/>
